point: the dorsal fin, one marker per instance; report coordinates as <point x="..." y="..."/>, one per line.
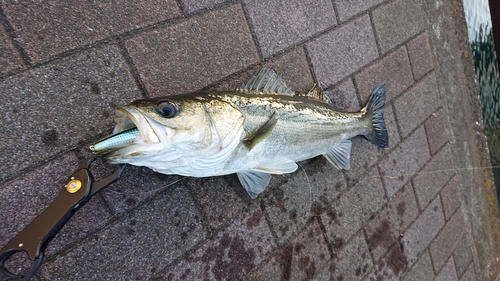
<point x="267" y="81"/>
<point x="318" y="92"/>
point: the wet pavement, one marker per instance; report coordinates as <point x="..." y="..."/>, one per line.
<point x="421" y="209"/>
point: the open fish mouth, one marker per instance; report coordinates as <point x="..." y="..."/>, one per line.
<point x="131" y="128"/>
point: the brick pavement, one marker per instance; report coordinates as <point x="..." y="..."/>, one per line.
<point x="401" y="213"/>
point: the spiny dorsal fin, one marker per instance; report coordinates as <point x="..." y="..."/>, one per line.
<point x="267" y="81"/>
<point x="318" y="92"/>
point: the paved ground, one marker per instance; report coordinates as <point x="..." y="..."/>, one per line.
<point x="408" y="212"/>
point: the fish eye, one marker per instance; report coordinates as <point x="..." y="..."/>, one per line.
<point x="167" y="109"/>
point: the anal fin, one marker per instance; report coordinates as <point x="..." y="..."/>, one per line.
<point x="340" y="155"/>
<point x="283" y="166"/>
<point x="254" y="182"/>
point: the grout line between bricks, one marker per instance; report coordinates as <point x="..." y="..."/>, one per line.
<point x="252" y="32"/>
<point x="181" y="6"/>
<point x="325" y="235"/>
<point x="133" y="70"/>
<point x="375" y="33"/>
<point x="336" y="11"/>
<point x="365" y="236"/>
<point x="12" y="36"/>
<point x="309" y="63"/>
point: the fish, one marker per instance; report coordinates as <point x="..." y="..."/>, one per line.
<point x="260" y="129"/>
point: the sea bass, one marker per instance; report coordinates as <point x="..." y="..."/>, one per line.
<point x="262" y="128"/>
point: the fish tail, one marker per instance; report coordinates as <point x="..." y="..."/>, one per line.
<point x="377" y="133"/>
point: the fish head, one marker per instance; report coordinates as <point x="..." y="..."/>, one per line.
<point x="175" y="128"/>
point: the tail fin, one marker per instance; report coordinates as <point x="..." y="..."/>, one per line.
<point x="375" y="109"/>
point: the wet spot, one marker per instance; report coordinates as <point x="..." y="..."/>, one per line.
<point x="394" y="161"/>
<point x="50" y="137"/>
<point x="286" y="262"/>
<point x="381" y="236"/>
<point x="231" y="260"/>
<point x="401" y="208"/>
<point x="185" y="274"/>
<point x="184" y="235"/>
<point x="396" y="260"/>
<point x="304" y="261"/>
<point x="299" y="247"/>
<point x="310" y="271"/>
<point x="130" y="201"/>
<point x="435" y="208"/>
<point x="94" y="88"/>
<point x="358" y="271"/>
<point x="254" y="220"/>
<point x="293" y="215"/>
<point x="337" y="243"/>
<point x="316" y="208"/>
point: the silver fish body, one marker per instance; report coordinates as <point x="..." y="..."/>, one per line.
<point x="259" y="130"/>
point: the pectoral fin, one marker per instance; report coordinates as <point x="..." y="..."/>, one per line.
<point x="253" y="139"/>
<point x="340" y="155"/>
<point x="254" y="182"/>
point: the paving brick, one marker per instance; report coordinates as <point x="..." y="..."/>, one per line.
<point x="229" y="255"/>
<point x="47" y="29"/>
<point x="420" y="54"/>
<point x="343" y="96"/>
<point x="61" y="104"/>
<point x="365" y="154"/>
<point x="422" y="270"/>
<point x="393" y="69"/>
<point x="191" y="6"/>
<point x="349" y="8"/>
<point x="352" y="263"/>
<point x="447" y="272"/>
<point x="299" y="260"/>
<point x="450" y="195"/>
<point x="345" y="216"/>
<point x="437" y="134"/>
<point x="417" y="104"/>
<point x="404" y="161"/>
<point x="136" y="185"/>
<point x="470" y="274"/>
<point x="462" y="256"/>
<point x="294" y="69"/>
<point x="219" y="197"/>
<point x="388" y="224"/>
<point x="448" y="239"/>
<point x="10" y="58"/>
<point x="420" y="234"/>
<point x="398" y="21"/>
<point x="193" y="53"/>
<point x="430" y="180"/>
<point x="391" y="267"/>
<point x="281" y="24"/>
<point x="87" y="220"/>
<point x="292" y="66"/>
<point x="157" y="232"/>
<point x="292" y="199"/>
<point x="354" y="48"/>
<point x="27" y="196"/>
